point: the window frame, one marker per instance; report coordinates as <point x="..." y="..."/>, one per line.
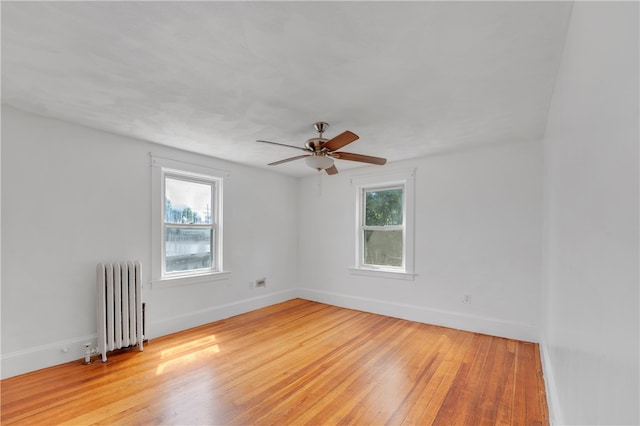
<point x="161" y="168"/>
<point x="383" y="181"/>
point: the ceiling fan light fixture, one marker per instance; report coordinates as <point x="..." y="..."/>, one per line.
<point x="319" y="162"/>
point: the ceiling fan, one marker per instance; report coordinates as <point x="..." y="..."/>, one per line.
<point x="320" y="152"/>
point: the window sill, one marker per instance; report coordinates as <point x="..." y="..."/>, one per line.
<point x="209" y="277"/>
<point x="383" y="273"/>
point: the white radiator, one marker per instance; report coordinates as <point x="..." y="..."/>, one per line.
<point x="120" y="322"/>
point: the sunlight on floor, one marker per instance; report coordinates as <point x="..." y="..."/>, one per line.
<point x="191" y="352"/>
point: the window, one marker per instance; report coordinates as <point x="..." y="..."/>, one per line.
<point x="187" y="221"/>
<point x="384" y="224"/>
<point x="383" y="227"/>
<point x="189" y="225"/>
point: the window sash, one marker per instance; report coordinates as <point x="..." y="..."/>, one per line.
<point x="190" y="179"/>
<point x="382" y="188"/>
<point x="366" y="248"/>
<point x="198" y="255"/>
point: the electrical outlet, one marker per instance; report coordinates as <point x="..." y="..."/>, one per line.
<point x="466" y="298"/>
<point x="262" y="282"/>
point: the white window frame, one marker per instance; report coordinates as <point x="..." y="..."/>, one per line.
<point x="161" y="168"/>
<point x="381" y="181"/>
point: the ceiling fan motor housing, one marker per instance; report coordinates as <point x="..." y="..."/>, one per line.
<point x="314" y="144"/>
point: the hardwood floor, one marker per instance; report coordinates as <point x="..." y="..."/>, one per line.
<point x="297" y="362"/>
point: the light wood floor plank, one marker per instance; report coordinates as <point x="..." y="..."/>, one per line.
<point x="297" y="362"/>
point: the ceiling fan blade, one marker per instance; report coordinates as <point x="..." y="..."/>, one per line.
<point x="283" y="144"/>
<point x="341" y="140"/>
<point x="286" y="160"/>
<point x="359" y="157"/>
<point x="332" y="170"/>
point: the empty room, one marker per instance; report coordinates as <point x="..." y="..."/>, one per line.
<point x="320" y="213"/>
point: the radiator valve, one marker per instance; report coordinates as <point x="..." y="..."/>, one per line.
<point x="88" y="352"/>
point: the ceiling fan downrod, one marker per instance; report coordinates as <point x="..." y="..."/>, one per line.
<point x="320" y="127"/>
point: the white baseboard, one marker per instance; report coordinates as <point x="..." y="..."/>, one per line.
<point x="491" y="326"/>
<point x="555" y="414"/>
<point x="31" y="359"/>
<point x="193" y="319"/>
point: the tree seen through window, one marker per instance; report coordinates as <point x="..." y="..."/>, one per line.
<point x="383" y="227"/>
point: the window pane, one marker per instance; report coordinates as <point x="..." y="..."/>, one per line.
<point x="383" y="207"/>
<point x="187" y="202"/>
<point x="383" y="248"/>
<point x="188" y="249"/>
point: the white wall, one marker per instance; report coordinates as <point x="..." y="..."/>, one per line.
<point x="72" y="197"/>
<point x="590" y="302"/>
<point x="477" y="231"/>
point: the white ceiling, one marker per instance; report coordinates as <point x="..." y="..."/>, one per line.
<point x="409" y="78"/>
